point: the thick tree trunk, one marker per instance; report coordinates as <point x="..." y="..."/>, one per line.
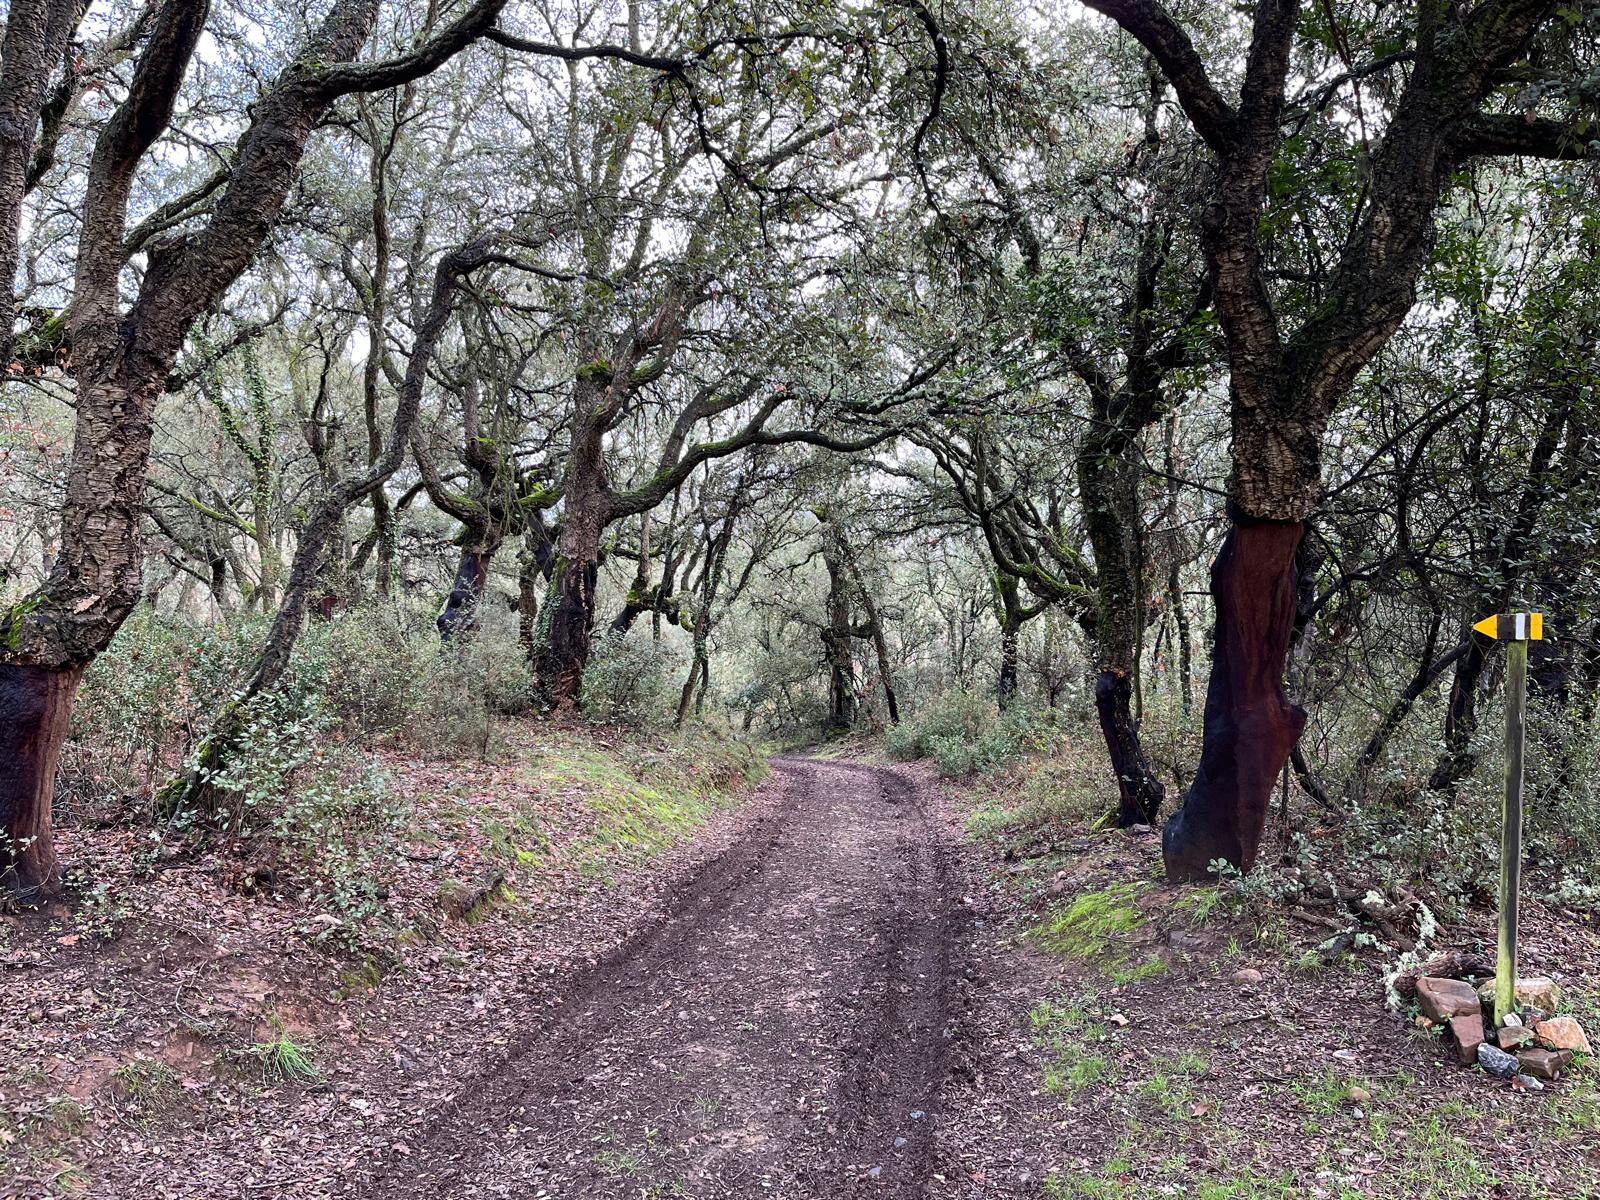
<point x="836" y="636"/>
<point x="1012" y="615"/>
<point x="462" y="606"/>
<point x="1108" y="477"/>
<point x="1250" y="724"/>
<point x="841" y="687"/>
<point x="1140" y="793"/>
<point x="1006" y="683"/>
<point x="569" y="609"/>
<point x="35" y="715"/>
<point x="569" y="619"/>
<point x="48" y="640"/>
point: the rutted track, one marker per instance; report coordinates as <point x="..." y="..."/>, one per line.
<point x="785" y="1032"/>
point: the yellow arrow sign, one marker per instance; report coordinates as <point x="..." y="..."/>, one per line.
<point x="1513" y="627"/>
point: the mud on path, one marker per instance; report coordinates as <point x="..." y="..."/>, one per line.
<point x="785" y="1032"/>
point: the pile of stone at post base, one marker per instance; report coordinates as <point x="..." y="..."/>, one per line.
<point x="1532" y="1047"/>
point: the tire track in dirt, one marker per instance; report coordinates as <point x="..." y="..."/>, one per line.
<point x="786" y="1031"/>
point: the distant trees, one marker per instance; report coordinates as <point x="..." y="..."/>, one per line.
<point x="1094" y="242"/>
<point x="836" y="357"/>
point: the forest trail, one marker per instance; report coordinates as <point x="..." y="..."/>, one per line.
<point x="785" y="1032"/>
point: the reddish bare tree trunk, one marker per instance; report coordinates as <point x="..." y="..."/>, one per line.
<point x="1250" y="723"/>
<point x="35" y="715"/>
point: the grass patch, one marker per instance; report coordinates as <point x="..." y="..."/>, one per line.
<point x="1123" y="975"/>
<point x="1094" y="926"/>
<point x="284" y="1060"/>
<point x="649" y="800"/>
<point x="1066" y="1033"/>
<point x="146" y="1083"/>
<point x="1047" y="797"/>
<point x="1108" y="1185"/>
<point x="1171" y="1086"/>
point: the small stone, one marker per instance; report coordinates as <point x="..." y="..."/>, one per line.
<point x="1562" y="1033"/>
<point x="898" y="1142"/>
<point x="1526" y="1083"/>
<point x="1513" y="1020"/>
<point x="1537" y="992"/>
<point x="1497" y="1062"/>
<point x="1466" y="1035"/>
<point x="1544" y="1064"/>
<point x="1189" y="943"/>
<point x="1247" y="977"/>
<point x="1140" y="829"/>
<point x="1358" y="1095"/>
<point x="1513" y="1037"/>
<point x="1442" y="999"/>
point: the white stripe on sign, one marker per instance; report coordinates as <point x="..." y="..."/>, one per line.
<point x="1521" y="624"/>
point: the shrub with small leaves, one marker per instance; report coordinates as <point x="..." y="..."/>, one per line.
<point x="632" y="679"/>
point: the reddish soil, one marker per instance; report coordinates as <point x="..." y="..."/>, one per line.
<point x="786" y="1031"/>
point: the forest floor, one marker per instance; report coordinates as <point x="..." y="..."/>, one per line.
<point x="1215" y="1042"/>
<point x="615" y="970"/>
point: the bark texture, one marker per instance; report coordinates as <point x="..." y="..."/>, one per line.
<point x="35" y="715"/>
<point x="1108" y="478"/>
<point x="1250" y="724"/>
<point x="36" y="35"/>
<point x="461" y="607"/>
<point x="1139" y="792"/>
<point x="570" y="610"/>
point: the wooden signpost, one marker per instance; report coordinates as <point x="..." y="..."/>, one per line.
<point x="1516" y="630"/>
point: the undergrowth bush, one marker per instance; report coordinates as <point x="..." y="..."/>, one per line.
<point x="632" y="679"/>
<point x="962" y="732"/>
<point x="465" y="684"/>
<point x="300" y="789"/>
<point x="146" y="698"/>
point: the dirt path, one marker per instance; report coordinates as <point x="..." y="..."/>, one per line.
<point x="785" y="1033"/>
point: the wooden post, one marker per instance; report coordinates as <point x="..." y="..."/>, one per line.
<point x="1505" y="981"/>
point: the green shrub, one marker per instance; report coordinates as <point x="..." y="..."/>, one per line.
<point x="370" y="668"/>
<point x="954" y="756"/>
<point x="157" y="685"/>
<point x="903" y="742"/>
<point x="632" y="679"/>
<point x="464" y="685"/>
<point x="962" y="733"/>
